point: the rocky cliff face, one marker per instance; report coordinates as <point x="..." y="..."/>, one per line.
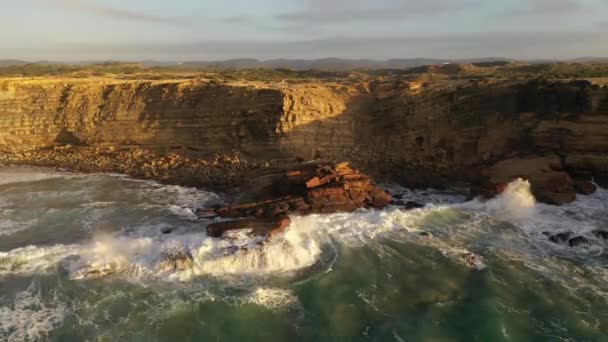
<point x="162" y="116"/>
<point x="417" y="134"/>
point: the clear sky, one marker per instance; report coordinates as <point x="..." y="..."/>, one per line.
<point x="222" y="29"/>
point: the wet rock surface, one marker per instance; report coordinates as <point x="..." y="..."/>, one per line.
<point x="550" y="182"/>
<point x="413" y="205"/>
<point x="584" y="187"/>
<point x="601" y="234"/>
<point x="315" y="187"/>
<point x="175" y="259"/>
<point x="267" y="227"/>
<point x="572" y="240"/>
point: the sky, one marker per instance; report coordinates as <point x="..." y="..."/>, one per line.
<point x="185" y="30"/>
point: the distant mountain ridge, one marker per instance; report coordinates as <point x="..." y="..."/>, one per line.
<point x="11" y="62"/>
<point x="334" y="64"/>
<point x="331" y="63"/>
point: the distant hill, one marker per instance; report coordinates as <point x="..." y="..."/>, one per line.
<point x="589" y="60"/>
<point x="336" y="64"/>
<point x="448" y="67"/>
<point x="11" y="62"/>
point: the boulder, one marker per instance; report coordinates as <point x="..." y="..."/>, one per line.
<point x="584" y="187"/>
<point x="549" y="182"/>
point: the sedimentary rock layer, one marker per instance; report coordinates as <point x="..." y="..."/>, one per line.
<point x="420" y="134"/>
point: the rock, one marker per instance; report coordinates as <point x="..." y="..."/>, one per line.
<point x="413" y="205"/>
<point x="268" y="208"/>
<point x="267" y="227"/>
<point x="549" y="182"/>
<point x="601" y="234"/>
<point x="487" y="188"/>
<point x="166" y="231"/>
<point x="559" y="238"/>
<point x="566" y="238"/>
<point x="318" y="187"/>
<point x="176" y="259"/>
<point x="398" y="203"/>
<point x="577" y="241"/>
<point x="584" y="187"/>
<point x="206" y="213"/>
<point x="98" y="272"/>
<point x="470" y="259"/>
<point x="587" y="164"/>
<point x="426" y="234"/>
<point x="380" y="198"/>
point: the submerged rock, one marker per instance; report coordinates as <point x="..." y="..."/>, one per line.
<point x="558" y="238"/>
<point x="97" y="272"/>
<point x="601" y="234"/>
<point x="176" y="259"/>
<point x="413" y="205"/>
<point x="577" y="241"/>
<point x="472" y="260"/>
<point x="566" y="238"/>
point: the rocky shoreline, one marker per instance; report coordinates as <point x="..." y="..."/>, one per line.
<point x="219" y="173"/>
<point x="552" y="181"/>
<point x="262" y="196"/>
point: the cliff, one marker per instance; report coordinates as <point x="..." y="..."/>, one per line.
<point x="418" y="134"/>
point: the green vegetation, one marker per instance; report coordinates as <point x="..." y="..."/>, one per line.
<point x="140" y="71"/>
<point x="217" y="74"/>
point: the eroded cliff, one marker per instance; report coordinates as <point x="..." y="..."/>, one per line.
<point x="418" y="134"/>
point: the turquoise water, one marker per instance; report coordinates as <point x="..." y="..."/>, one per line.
<point x="453" y="271"/>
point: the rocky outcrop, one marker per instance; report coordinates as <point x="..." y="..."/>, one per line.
<point x="549" y="182"/>
<point x="194" y="118"/>
<point x="317" y="187"/>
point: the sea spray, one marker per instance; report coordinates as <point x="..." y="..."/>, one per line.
<point x="515" y="203"/>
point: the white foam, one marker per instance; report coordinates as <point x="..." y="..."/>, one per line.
<point x="300" y="247"/>
<point x="273" y="298"/>
<point x="10" y="227"/>
<point x="33" y="259"/>
<point x="30" y="318"/>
